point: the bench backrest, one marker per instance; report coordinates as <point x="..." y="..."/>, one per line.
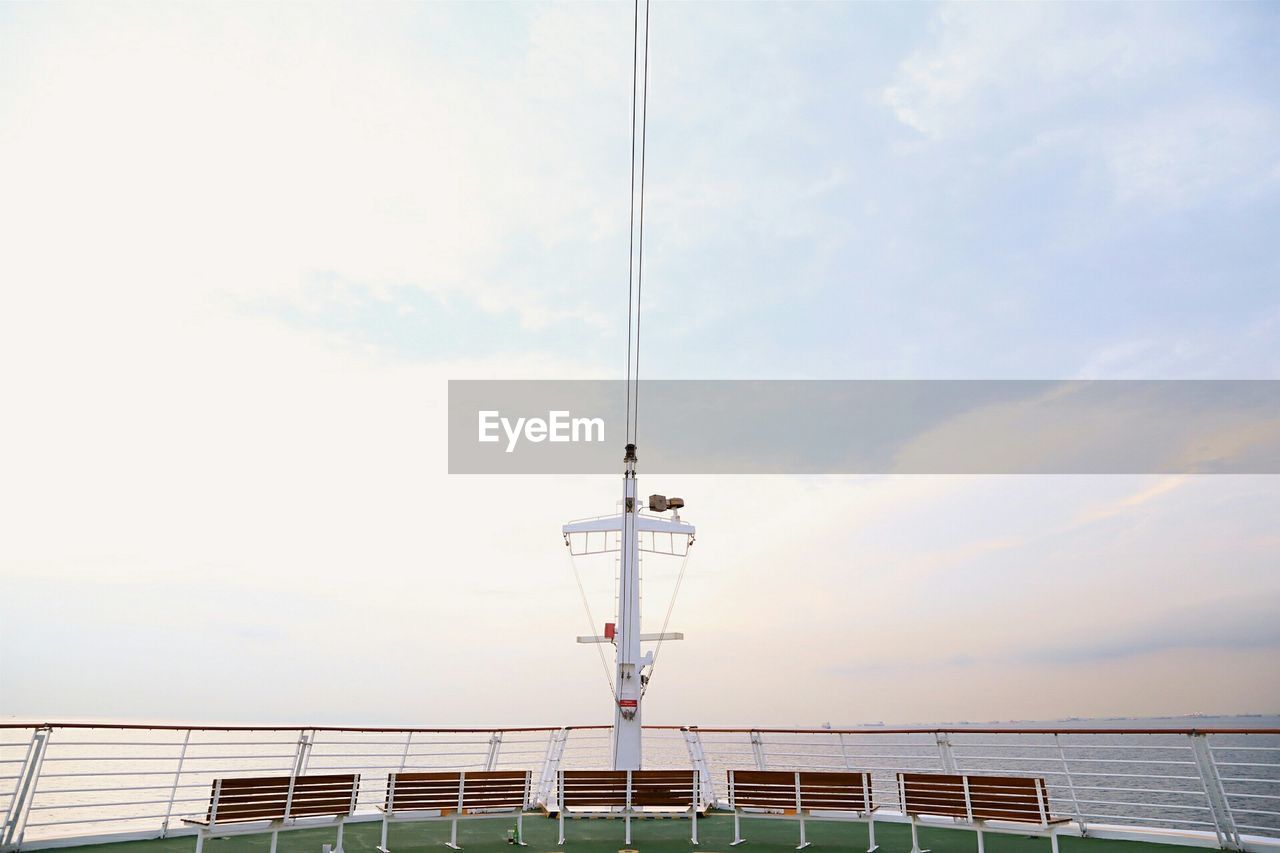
<point x="670" y="788"/>
<point x="593" y="787"/>
<point x="1017" y="798"/>
<point x="279" y="797"/>
<point x="1023" y="799"/>
<point x="808" y="789"/>
<point x="478" y="789"/>
<point x="673" y="788"/>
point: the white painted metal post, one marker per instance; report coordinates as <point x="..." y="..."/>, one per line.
<point x="945" y="755"/>
<point x="560" y="803"/>
<point x="173" y="791"/>
<point x="1223" y="822"/>
<point x="800" y="814"/>
<point x="302" y="753"/>
<point x="453" y="831"/>
<point x="757" y="750"/>
<point x="495" y="744"/>
<point x="697" y="797"/>
<point x="698" y="758"/>
<point x="15" y="825"/>
<point x="627" y="810"/>
<point x="547" y="784"/>
<point x="733" y="804"/>
<point x="1071" y="786"/>
<point x="627" y="731"/>
<point x="404" y="754"/>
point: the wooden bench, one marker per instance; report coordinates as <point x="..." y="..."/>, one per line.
<point x="789" y="794"/>
<point x="242" y="806"/>
<point x="1016" y="804"/>
<point x="627" y="792"/>
<point x="453" y="795"/>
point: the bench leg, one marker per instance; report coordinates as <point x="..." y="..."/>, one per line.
<point x="803" y="841"/>
<point x="694" y="818"/>
<point x="872" y="847"/>
<point x="915" y="839"/>
<point x="981" y="847"/>
<point x="561" y="815"/>
<point x="1053" y="840"/>
<point x="453" y="834"/>
<point x="627" y="820"/>
<point x="737" y="831"/>
<point x="338" y="846"/>
<point x="275" y="836"/>
<point x="520" y="829"/>
<point x="200" y="840"/>
<point x="382" y="848"/>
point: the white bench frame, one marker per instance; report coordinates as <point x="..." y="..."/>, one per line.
<point x="452" y="815"/>
<point x="1046" y="828"/>
<point x="866" y="815"/>
<point x="210" y="828"/>
<point x="628" y="810"/>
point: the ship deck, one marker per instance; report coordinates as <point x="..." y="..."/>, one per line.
<point x="647" y="836"/>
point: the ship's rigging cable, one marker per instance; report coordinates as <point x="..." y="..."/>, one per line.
<point x="635" y="250"/>
<point x="591" y="623"/>
<point x="666" y="620"/>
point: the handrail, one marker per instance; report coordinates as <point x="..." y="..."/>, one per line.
<point x="869" y="730"/>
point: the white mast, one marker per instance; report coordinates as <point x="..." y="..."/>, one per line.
<point x="630" y="673"/>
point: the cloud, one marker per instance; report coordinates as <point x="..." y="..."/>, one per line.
<point x="1120" y="91"/>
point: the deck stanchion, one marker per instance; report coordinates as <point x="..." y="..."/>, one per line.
<point x="757" y="750"/>
<point x="1223" y="821"/>
<point x="173" y="791"/>
<point x="1071" y="786"/>
<point x="15" y="826"/>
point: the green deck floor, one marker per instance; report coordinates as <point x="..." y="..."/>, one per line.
<point x="647" y="836"/>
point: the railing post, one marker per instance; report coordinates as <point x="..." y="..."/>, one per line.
<point x="495" y="744"/>
<point x="404" y="754"/>
<point x="303" y="753"/>
<point x="1071" y="786"/>
<point x="15" y="825"/>
<point x="698" y="759"/>
<point x="173" y="791"/>
<point x="1224" y="823"/>
<point x="551" y="765"/>
<point x="944" y="752"/>
<point x="844" y="753"/>
<point x="757" y="749"/>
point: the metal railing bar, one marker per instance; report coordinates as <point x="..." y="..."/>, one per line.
<point x="1246" y="763"/>
<point x="96" y="758"/>
<point x="92" y="820"/>
<point x="1145" y="805"/>
<point x="1254" y="796"/>
<point x="45" y="808"/>
<point x="1271" y="829"/>
<point x="1145" y="821"/>
<point x="1135" y="776"/>
<point x="55" y="791"/>
<point x="1219" y="747"/>
<point x="1246" y="779"/>
<point x="275" y="768"/>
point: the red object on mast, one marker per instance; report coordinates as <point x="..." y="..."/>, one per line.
<point x="610" y="629"/>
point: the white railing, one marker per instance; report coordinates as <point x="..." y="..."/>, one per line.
<point x="72" y="782"/>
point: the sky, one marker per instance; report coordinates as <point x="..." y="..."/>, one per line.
<point x="243" y="248"/>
